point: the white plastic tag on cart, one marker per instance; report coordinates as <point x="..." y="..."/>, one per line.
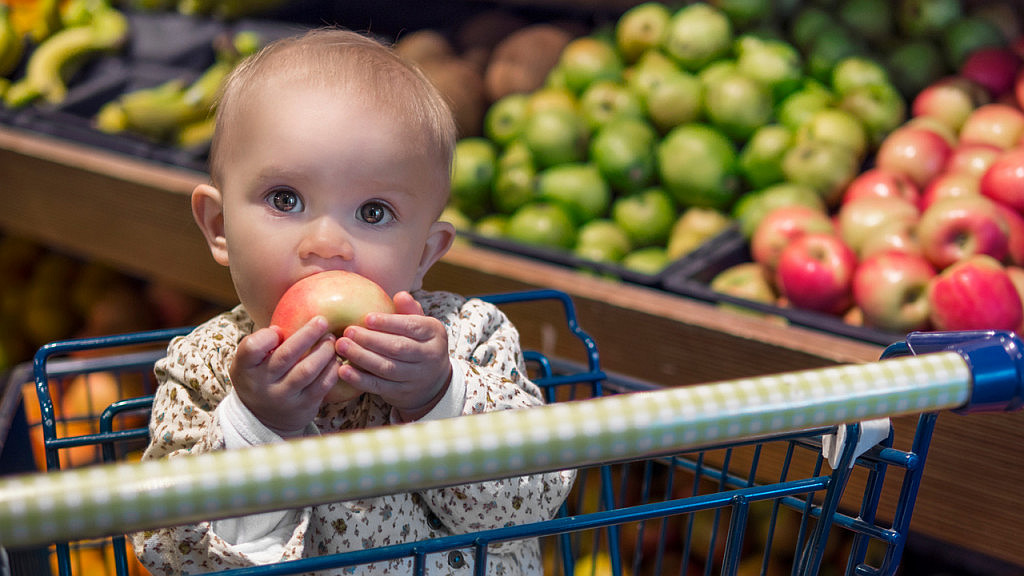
<point x="871" y="432"/>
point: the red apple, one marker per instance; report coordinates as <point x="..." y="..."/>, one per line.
<point x="344" y="298"/>
<point x="973" y="159"/>
<point x="1015" y="226"/>
<point x="880" y="182"/>
<point x="953" y="229"/>
<point x="891" y="290"/>
<point x="997" y="124"/>
<point x="779" y="227"/>
<point x="994" y="67"/>
<point x="896" y="236"/>
<point x="1016" y="274"/>
<point x="859" y="220"/>
<point x="916" y="152"/>
<point x="949" y="100"/>
<point x="1004" y="179"/>
<point x="815" y="272"/>
<point x="949" y="185"/>
<point x="975" y="294"/>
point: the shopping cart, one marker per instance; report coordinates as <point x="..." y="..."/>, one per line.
<point x="722" y="478"/>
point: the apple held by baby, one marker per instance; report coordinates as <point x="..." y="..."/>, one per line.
<point x="343" y="298"/>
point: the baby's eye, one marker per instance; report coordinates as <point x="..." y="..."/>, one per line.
<point x="376" y="213"/>
<point x="285" y="200"/>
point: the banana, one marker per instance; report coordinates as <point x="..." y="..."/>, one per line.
<point x="47" y="22"/>
<point x="196" y="134"/>
<point x="54" y="59"/>
<point x="11" y="45"/>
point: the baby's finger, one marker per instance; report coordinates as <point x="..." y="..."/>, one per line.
<point x="298" y="344"/>
<point x="254" y="348"/>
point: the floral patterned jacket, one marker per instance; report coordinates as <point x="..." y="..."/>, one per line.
<point x="484" y="345"/>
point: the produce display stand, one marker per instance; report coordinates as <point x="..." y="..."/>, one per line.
<point x="134" y="214"/>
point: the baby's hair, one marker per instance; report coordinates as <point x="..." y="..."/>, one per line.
<point x="360" y="68"/>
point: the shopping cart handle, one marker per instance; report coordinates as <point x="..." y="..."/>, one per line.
<point x="995" y="358"/>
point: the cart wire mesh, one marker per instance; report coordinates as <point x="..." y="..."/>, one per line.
<point x="720" y="478"/>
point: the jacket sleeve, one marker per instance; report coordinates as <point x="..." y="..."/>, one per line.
<point x="485" y="347"/>
<point x="192" y="381"/>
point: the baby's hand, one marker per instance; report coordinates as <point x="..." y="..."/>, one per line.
<point x="283" y="382"/>
<point x="402" y="357"/>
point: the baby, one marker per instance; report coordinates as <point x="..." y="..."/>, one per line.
<point x="332" y="153"/>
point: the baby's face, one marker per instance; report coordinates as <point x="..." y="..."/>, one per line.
<point x="312" y="182"/>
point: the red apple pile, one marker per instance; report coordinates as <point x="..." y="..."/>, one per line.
<point x="932" y="235"/>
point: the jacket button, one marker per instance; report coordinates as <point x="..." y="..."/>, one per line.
<point x="456" y="559"/>
<point x="434" y="522"/>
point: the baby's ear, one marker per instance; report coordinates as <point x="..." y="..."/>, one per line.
<point x="440" y="239"/>
<point x="208" y="211"/>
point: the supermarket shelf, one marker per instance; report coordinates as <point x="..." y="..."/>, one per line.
<point x="134" y="214"/>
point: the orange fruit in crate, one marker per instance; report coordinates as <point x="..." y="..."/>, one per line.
<point x="87" y="395"/>
<point x="85" y="560"/>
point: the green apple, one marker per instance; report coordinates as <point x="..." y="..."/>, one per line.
<point x="856" y="71"/>
<point x="760" y="158"/>
<point x="753" y="206"/>
<point x="837" y="126"/>
<point x="880" y="108"/>
<point x="579" y="187"/>
<point x="589" y="59"/>
<point x="922" y="18"/>
<point x="697" y="164"/>
<point x="473" y="170"/>
<point x="799" y="106"/>
<point x="556" y="136"/>
<point x="504" y="120"/>
<point x="967" y="35"/>
<point x="747" y="280"/>
<point x="492" y="225"/>
<point x="623" y="151"/>
<point x="737" y="104"/>
<point x="914" y="64"/>
<point x="695" y="226"/>
<point x="515" y="182"/>
<point x="650" y="260"/>
<point x="641" y="28"/>
<point x="606" y="99"/>
<point x="832" y="45"/>
<point x="774" y="63"/>
<point x="649" y="71"/>
<point x="551" y="98"/>
<point x="697" y="35"/>
<point x="542" y="224"/>
<point x="602" y="240"/>
<point x="868" y="19"/>
<point x="808" y="23"/>
<point x="677" y="99"/>
<point x="825" y="166"/>
<point x="647" y="216"/>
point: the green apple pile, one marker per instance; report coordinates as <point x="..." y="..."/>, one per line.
<point x="654" y="135"/>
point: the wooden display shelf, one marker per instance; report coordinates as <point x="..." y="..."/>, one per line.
<point x="134" y="214"/>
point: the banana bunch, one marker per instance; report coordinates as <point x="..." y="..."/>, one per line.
<point x="11" y="47"/>
<point x="87" y="28"/>
<point x="176" y="112"/>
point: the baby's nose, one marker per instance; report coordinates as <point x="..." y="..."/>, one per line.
<point x="327" y="239"/>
